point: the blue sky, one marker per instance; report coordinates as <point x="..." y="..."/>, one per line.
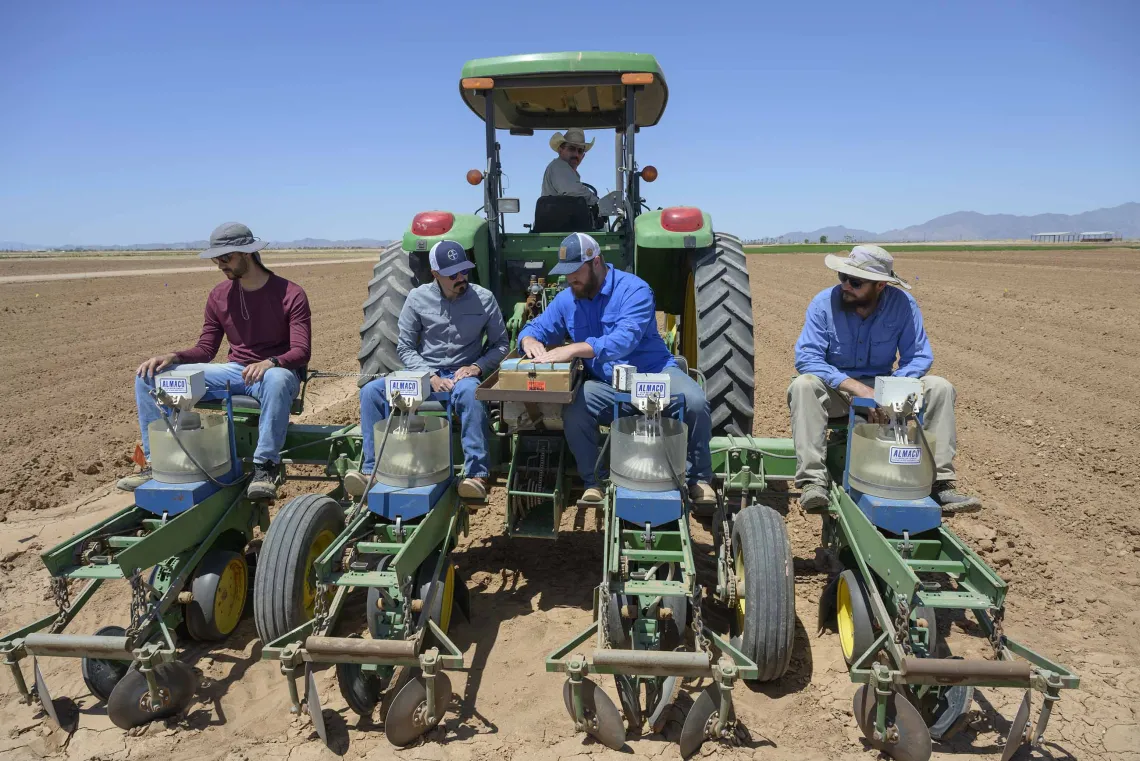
<point x="151" y="121"/>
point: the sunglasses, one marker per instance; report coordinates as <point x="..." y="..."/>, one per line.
<point x="224" y="258"/>
<point x="456" y="275"/>
<point x="854" y="281"/>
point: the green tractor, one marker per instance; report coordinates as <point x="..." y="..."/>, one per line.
<point x="699" y="276"/>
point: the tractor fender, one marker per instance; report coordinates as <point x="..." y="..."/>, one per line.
<point x="468" y="230"/>
<point x="648" y="231"/>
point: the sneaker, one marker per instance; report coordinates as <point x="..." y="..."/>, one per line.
<point x="702" y="493"/>
<point x="356" y="482"/>
<point x="593" y="494"/>
<point x="134" y="480"/>
<point x="952" y="500"/>
<point x="263" y="485"/>
<point x="473" y="488"/>
<point x="814" y="497"/>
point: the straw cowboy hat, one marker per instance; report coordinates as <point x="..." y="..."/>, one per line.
<point x="867" y="263"/>
<point x="573" y="136"/>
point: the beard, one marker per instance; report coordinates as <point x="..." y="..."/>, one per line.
<point x="849" y="302"/>
<point x="588" y="289"/>
<point x="460" y="288"/>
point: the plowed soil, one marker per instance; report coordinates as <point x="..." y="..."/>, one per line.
<point x="1041" y="348"/>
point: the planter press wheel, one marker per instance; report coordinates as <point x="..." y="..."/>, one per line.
<point x="852" y="616"/>
<point x="764" y="614"/>
<point x="220" y="588"/>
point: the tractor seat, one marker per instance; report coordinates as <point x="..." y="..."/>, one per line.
<point x="563" y="214"/>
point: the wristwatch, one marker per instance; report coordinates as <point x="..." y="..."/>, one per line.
<point x="276" y="362"/>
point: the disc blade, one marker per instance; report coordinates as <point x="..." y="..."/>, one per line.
<point x="407" y="716"/>
<point x="664" y="700"/>
<point x="1016" y="736"/>
<point x="129" y="703"/>
<point x="952" y="712"/>
<point x="313" y="700"/>
<point x="603" y="719"/>
<point x="914" y="742"/>
<point x="43" y="694"/>
<point x="696" y="728"/>
<point x="630" y="699"/>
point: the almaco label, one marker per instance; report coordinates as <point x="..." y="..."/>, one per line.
<point x="905" y="455"/>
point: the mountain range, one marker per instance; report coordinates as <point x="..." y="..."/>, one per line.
<point x="970" y="225"/>
<point x="199" y="245"/>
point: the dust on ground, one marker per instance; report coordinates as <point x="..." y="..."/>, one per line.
<point x="1038" y="344"/>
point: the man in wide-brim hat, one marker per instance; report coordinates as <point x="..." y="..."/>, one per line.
<point x="853" y="332"/>
<point x="266" y="320"/>
<point x="561" y="177"/>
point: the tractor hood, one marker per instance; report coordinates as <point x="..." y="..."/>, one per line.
<point x="554" y="91"/>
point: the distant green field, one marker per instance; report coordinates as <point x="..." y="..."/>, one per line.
<point x="834" y="248"/>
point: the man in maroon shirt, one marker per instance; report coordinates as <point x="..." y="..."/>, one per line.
<point x="265" y="318"/>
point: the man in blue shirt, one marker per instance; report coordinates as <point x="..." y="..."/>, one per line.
<point x="610" y="318"/>
<point x="851" y="334"/>
<point x="442" y="329"/>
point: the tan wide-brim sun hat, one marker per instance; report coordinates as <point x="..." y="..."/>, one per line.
<point x="573" y="136"/>
<point x="867" y="263"/>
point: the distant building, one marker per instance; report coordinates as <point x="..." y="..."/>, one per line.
<point x="1100" y="237"/>
<point x="1055" y="237"/>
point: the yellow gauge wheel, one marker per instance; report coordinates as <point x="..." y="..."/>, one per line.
<point x="448" y="600"/>
<point x="229" y="600"/>
<point x="741" y="608"/>
<point x="844" y="619"/>
<point x="320" y="543"/>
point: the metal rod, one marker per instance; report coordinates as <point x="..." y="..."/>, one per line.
<point x="79" y="646"/>
<point x="653" y="663"/>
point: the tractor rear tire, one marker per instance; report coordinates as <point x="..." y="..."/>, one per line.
<point x="725" y="351"/>
<point x="765" y="615"/>
<point x="392" y="281"/>
<point x="284" y="587"/>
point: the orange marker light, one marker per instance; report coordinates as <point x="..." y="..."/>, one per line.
<point x="477" y="83"/>
<point x="649" y="173"/>
<point x="637" y="78"/>
<point x="474" y="176"/>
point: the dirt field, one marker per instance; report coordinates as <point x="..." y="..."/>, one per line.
<point x="1041" y="347"/>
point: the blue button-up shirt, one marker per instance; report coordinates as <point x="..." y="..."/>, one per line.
<point x="837" y="344"/>
<point x="619" y="324"/>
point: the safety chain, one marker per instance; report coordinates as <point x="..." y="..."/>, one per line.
<point x="729" y="566"/>
<point x="902" y="625"/>
<point x="139" y="603"/>
<point x="604" y="613"/>
<point x="997" y="635"/>
<point x="703" y="643"/>
<point x="320" y="607"/>
<point x="62" y="600"/>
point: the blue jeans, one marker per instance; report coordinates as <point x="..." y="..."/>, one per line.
<point x="473" y="425"/>
<point x="276" y="391"/>
<point x="594" y="406"/>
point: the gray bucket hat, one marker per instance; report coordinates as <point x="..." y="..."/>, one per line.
<point x="868" y="263"/>
<point x="231" y="237"/>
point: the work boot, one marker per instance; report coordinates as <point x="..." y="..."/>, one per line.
<point x="814" y="498"/>
<point x="702" y="493"/>
<point x="952" y="500"/>
<point x="263" y="485"/>
<point x="473" y="488"/>
<point x="355" y="483"/>
<point x="593" y="494"/>
<point x="134" y="480"/>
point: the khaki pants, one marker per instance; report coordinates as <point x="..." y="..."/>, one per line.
<point x="812" y="402"/>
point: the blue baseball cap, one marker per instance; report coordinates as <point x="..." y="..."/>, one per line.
<point x="448" y="258"/>
<point x="576" y="250"/>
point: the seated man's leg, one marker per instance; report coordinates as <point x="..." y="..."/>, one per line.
<point x="275" y="391"/>
<point x="698" y="421"/>
<point x="812" y="402"/>
<point x="580" y="419"/>
<point x="216" y="375"/>
<point x="372" y="406"/>
<point x="938" y="420"/>
<point x="473" y="429"/>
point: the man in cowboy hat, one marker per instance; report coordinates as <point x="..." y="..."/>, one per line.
<point x="852" y="333"/>
<point x="609" y="316"/>
<point x="561" y="177"/>
<point x="442" y="326"/>
<point x="265" y="318"/>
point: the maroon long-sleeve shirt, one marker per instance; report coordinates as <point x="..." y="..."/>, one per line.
<point x="272" y="321"/>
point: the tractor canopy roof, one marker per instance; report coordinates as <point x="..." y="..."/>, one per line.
<point x="555" y="91"/>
